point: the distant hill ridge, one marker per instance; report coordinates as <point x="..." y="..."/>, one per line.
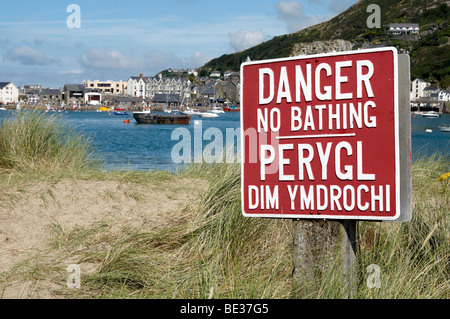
<point x="430" y="54"/>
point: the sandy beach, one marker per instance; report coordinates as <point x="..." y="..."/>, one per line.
<point x="29" y="211"/>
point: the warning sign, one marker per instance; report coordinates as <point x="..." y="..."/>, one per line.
<point x="320" y="136"/>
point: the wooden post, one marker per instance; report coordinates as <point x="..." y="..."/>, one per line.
<point x="322" y="246"/>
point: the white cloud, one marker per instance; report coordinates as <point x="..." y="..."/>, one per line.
<point x="244" y="39"/>
<point x="28" y="56"/>
<point x="112" y="60"/>
<point x="293" y="14"/>
<point x="289" y="10"/>
<point x="197" y="59"/>
<point x="73" y="71"/>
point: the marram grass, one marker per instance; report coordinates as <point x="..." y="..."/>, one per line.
<point x="35" y="140"/>
<point x="214" y="252"/>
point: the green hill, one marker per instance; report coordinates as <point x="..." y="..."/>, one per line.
<point x="430" y="54"/>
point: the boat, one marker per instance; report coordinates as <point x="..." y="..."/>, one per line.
<point x="104" y="109"/>
<point x="444" y="128"/>
<point x="190" y="111"/>
<point x="217" y="110"/>
<point x="2" y="108"/>
<point x="430" y="114"/>
<point x="231" y="109"/>
<point x="207" y="114"/>
<point x="120" y="113"/>
<point x="149" y="118"/>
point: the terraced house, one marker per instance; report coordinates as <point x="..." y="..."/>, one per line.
<point x="148" y="87"/>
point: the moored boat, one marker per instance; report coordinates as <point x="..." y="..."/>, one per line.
<point x="190" y="111"/>
<point x="430" y="114"/>
<point x="104" y="109"/>
<point x="231" y="109"/>
<point x="217" y="110"/>
<point x="207" y="114"/>
<point x="149" y="118"/>
<point x="444" y="128"/>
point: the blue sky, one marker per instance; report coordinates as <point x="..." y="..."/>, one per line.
<point x="118" y="39"/>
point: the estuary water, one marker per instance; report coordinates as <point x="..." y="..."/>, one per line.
<point x="142" y="147"/>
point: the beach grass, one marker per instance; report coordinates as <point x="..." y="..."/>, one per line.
<point x="220" y="254"/>
<point x="35" y="140"/>
<point x="211" y="250"/>
<point x="217" y="253"/>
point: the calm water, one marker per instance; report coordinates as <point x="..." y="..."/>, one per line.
<point x="424" y="142"/>
<point x="133" y="146"/>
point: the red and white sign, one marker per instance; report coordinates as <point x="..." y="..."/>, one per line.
<point x="320" y="136"/>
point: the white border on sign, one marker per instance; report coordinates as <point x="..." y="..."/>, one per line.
<point x="396" y="138"/>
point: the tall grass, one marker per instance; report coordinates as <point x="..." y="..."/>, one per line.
<point x="214" y="252"/>
<point x="414" y="257"/>
<point x="34" y="140"/>
<point x="217" y="253"/>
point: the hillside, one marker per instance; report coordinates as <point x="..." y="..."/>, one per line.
<point x="430" y="54"/>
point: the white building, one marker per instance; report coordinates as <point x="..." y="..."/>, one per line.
<point x="9" y="93"/>
<point x="418" y="89"/>
<point x="107" y="87"/>
<point x="403" y="28"/>
<point x="215" y="74"/>
<point x="136" y="86"/>
<point x="444" y="96"/>
<point x="148" y="87"/>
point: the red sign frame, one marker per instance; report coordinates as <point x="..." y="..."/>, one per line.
<point x="320" y="136"/>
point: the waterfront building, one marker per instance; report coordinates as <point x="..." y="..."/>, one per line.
<point x="9" y="93"/>
<point x="107" y="87"/>
<point x="136" y="86"/>
<point x="147" y="87"/>
<point x="418" y="89"/>
<point x="50" y="95"/>
<point x="73" y="93"/>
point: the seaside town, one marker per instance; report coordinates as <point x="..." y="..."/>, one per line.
<point x="182" y="87"/>
<point x="160" y="92"/>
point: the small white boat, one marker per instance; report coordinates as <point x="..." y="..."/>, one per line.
<point x="217" y="110"/>
<point x="190" y="111"/>
<point x="444" y="128"/>
<point x="171" y="111"/>
<point x="2" y="108"/>
<point x="430" y="114"/>
<point x="207" y="114"/>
